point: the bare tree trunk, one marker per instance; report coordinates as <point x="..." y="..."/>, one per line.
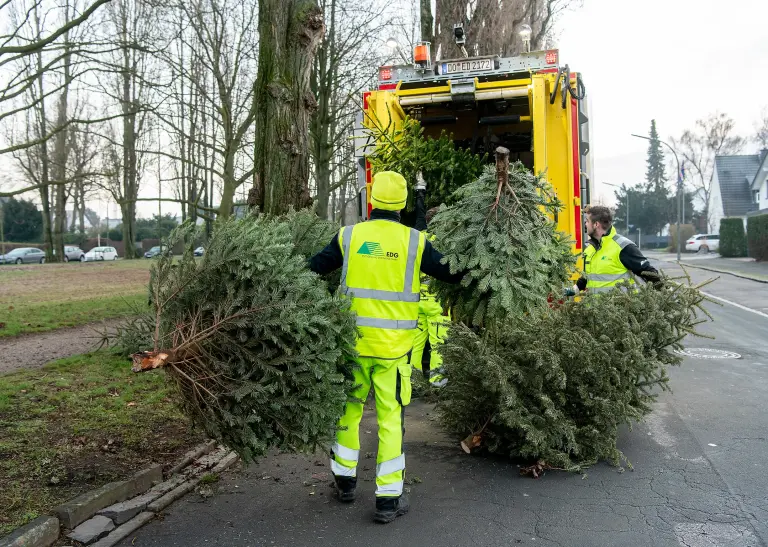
<point x="493" y="25"/>
<point x="290" y="31"/>
<point x="75" y="207"/>
<point x="426" y="20"/>
<point x="322" y="85"/>
<point x="81" y="210"/>
<point x="43" y="150"/>
<point x="130" y="175"/>
<point x="60" y="155"/>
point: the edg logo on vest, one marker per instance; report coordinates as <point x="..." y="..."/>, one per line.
<point x="373" y="249"/>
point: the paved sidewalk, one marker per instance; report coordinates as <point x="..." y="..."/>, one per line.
<point x="741" y="267"/>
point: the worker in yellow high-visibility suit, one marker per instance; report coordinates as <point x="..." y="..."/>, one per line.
<point x="434" y="320"/>
<point x="380" y="261"/>
<point x="610" y="258"/>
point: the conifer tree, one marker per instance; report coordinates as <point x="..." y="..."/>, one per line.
<point x="552" y="387"/>
<point x="543" y="382"/>
<point x="655" y="174"/>
<point x="500" y="231"/>
<point x="257" y="345"/>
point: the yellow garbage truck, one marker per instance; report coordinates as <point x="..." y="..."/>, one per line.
<point x="530" y="104"/>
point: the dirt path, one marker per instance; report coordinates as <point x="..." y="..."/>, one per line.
<point x="35" y="350"/>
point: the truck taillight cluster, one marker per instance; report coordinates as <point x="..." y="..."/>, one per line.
<point x="551" y="57"/>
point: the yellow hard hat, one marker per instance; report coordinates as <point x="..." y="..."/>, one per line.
<point x="390" y="191"/>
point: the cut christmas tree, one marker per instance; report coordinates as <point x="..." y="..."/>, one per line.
<point x="499" y="230"/>
<point x="542" y="383"/>
<point x="256" y="343"/>
<point x="553" y="387"/>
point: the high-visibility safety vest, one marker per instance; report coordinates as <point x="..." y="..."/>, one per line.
<point x="382" y="261"/>
<point x="602" y="267"/>
<point x="428" y="305"/>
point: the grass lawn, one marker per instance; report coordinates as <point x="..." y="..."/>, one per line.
<point x="77" y="424"/>
<point x="41" y="297"/>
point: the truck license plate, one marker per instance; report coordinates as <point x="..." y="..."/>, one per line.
<point x="470" y="65"/>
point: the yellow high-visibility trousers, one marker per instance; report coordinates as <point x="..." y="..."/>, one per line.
<point x="435" y="329"/>
<point x="391" y="380"/>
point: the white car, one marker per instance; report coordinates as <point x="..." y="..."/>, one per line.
<point x="703" y="243"/>
<point x="101" y="253"/>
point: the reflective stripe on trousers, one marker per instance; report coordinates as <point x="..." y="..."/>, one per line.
<point x="392" y="391"/>
<point x="347" y="467"/>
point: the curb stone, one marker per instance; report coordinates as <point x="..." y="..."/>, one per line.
<point x="118" y="501"/>
<point x="191" y="456"/>
<point x="78" y="510"/>
<point x="41" y="532"/>
<point x="729" y="272"/>
<point x="164" y="501"/>
<point x="118" y="534"/>
<point x="92" y="530"/>
<point x="161" y="503"/>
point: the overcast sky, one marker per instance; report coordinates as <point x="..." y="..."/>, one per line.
<point x="672" y="60"/>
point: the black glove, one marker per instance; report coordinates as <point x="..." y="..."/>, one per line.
<point x="582" y="283"/>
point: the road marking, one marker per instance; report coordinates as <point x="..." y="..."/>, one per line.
<point x="734" y="304"/>
<point x="707" y="353"/>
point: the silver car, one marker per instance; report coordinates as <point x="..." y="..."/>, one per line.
<point x="73" y="253"/>
<point x="23" y="255"/>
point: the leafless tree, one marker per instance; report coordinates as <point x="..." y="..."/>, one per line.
<point x="710" y="137"/>
<point x="128" y="76"/>
<point x="761" y="130"/>
<point x="83" y="154"/>
<point x="31" y="48"/>
<point x="209" y="109"/>
<point x="491" y="26"/>
<point x="345" y="65"/>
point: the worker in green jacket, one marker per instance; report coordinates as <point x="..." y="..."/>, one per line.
<point x="380" y="262"/>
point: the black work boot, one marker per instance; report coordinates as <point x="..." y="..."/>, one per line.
<point x="345" y="488"/>
<point x="388" y="509"/>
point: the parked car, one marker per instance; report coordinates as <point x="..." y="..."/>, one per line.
<point x="156" y="250"/>
<point x="101" y="253"/>
<point x="200" y="251"/>
<point x="73" y="253"/>
<point x="703" y="243"/>
<point x="23" y="255"/>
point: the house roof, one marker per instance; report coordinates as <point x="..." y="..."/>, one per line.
<point x="735" y="175"/>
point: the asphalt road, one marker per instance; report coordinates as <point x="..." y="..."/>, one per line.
<point x="699" y="476"/>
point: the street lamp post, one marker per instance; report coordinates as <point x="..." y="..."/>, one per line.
<point x="394" y="45"/>
<point x="619" y="187"/>
<point x="679" y="186"/>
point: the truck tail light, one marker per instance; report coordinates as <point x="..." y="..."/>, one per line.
<point x="551" y="57"/>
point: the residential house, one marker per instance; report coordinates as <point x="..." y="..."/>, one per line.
<point x="732" y="194"/>
<point x="760" y="185"/>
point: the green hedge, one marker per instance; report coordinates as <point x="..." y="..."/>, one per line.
<point x="733" y="240"/>
<point x="757" y="233"/>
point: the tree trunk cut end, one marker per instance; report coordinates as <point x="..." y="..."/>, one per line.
<point x="472" y="441"/>
<point x="149" y="360"/>
<point x="502" y="166"/>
